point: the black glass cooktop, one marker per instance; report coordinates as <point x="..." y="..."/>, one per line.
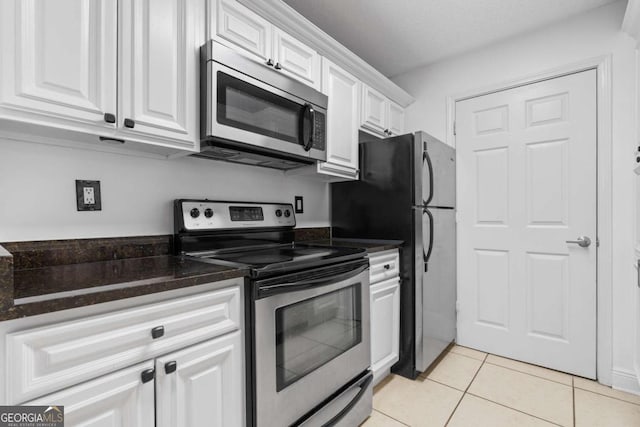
<point x="283" y="258"/>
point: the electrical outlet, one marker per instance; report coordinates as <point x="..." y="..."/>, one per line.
<point x="299" y="204"/>
<point x="88" y="195"/>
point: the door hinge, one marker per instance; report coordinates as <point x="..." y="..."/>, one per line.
<point x="597" y="242"/>
<point x="457" y="306"/>
<point x="454" y="128"/>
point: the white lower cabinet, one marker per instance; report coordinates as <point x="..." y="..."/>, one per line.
<point x="120" y="399"/>
<point x="176" y="362"/>
<point x="201" y="385"/>
<point x="385" y="314"/>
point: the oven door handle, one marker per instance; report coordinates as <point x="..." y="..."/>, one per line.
<point x="309" y="419"/>
<point x="340" y="415"/>
<point x="329" y="279"/>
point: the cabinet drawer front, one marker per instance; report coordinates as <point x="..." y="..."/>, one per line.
<point x="384" y="265"/>
<point x="49" y="358"/>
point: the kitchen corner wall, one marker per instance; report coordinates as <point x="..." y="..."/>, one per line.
<point x="582" y="37"/>
<point x="38" y="201"/>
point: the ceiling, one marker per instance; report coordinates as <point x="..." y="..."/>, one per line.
<point x="397" y="36"/>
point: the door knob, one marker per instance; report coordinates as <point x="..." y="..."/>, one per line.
<point x="582" y="241"/>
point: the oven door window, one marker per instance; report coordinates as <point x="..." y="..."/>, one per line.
<point x="248" y="107"/>
<point x="312" y="332"/>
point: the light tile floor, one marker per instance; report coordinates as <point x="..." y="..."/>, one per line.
<point x="468" y="388"/>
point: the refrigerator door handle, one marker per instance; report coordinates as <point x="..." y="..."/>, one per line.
<point x="427" y="159"/>
<point x="427" y="255"/>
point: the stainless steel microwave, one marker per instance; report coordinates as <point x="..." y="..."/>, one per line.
<point x="254" y="114"/>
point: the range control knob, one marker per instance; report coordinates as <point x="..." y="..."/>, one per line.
<point x="195" y="213"/>
<point x="287" y="213"/>
<point x="208" y="212"/>
<point x="278" y="213"/>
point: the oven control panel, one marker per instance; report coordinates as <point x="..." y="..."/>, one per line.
<point x="210" y="215"/>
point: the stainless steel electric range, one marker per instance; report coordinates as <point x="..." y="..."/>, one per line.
<point x="306" y="314"/>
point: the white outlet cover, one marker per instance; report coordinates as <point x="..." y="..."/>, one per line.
<point x="89" y="197"/>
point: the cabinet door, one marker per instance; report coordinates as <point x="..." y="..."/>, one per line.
<point x="343" y="91"/>
<point x="159" y="73"/>
<point x="243" y="28"/>
<point x="119" y="399"/>
<point x="374" y="110"/>
<point x="385" y="326"/>
<point x="58" y="59"/>
<point x="202" y="386"/>
<point x="296" y="59"/>
<point x="396" y="119"/>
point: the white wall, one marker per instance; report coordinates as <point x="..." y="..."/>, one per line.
<point x="38" y="202"/>
<point x="583" y="37"/>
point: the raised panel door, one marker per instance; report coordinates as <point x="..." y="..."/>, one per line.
<point x="202" y="386"/>
<point x="526" y="193"/>
<point x="296" y="59"/>
<point x="342" y="115"/>
<point x="58" y="60"/>
<point x="396" y="119"/>
<point x="120" y="399"/>
<point x="385" y="326"/>
<point x="241" y="27"/>
<point x="159" y="70"/>
<point x="374" y="110"/>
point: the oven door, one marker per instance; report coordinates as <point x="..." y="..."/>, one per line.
<point x="311" y="339"/>
<point x="243" y="108"/>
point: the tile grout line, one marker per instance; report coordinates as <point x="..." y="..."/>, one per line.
<point x="389" y="416"/>
<point x="516" y="410"/>
<point x="534" y="375"/>
<point x="606" y="395"/>
<point x="464" y="393"/>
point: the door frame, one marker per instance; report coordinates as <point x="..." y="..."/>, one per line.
<point x="604" y="291"/>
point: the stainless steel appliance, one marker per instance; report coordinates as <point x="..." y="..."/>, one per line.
<point x="307" y="312"/>
<point x="407" y="192"/>
<point x="254" y="114"/>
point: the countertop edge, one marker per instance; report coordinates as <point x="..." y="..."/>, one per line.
<point x="98" y="297"/>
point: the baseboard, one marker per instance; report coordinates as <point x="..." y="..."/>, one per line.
<point x="624" y="380"/>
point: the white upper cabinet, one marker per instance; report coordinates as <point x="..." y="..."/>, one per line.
<point x="343" y="91"/>
<point x="296" y="59"/>
<point x="396" y="119"/>
<point x="380" y="115"/>
<point x="159" y="68"/>
<point x="126" y="70"/>
<point x="374" y="110"/>
<point x="236" y="26"/>
<point x="58" y="60"/>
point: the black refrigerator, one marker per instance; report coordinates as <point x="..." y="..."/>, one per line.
<point x="406" y="192"/>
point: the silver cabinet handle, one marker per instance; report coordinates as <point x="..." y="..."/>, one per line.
<point x="583" y="241"/>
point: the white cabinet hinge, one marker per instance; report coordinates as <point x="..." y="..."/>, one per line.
<point x="457" y="306"/>
<point x="454" y="128"/>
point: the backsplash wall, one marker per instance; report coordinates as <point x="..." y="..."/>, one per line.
<point x="38" y="202"/>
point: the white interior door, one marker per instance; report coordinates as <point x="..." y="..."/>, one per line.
<point x="527" y="186"/>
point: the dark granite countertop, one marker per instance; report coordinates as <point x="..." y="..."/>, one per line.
<point x="371" y="245"/>
<point x="40" y="278"/>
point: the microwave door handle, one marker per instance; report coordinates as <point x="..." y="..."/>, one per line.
<point x="301" y="285"/>
<point x="307" y="111"/>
